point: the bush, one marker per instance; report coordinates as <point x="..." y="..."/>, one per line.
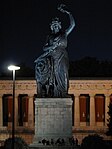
<point x="93" y="142"/>
<point x="19" y="143"/>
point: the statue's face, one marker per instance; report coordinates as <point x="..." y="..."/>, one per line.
<point x="55" y="26"/>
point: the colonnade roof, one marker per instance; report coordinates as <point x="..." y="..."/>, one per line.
<point x="17" y="78"/>
<point x="71" y="78"/>
<point x="91" y="78"/>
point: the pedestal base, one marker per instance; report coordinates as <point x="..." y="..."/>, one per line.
<point x="53" y="121"/>
<point x="55" y="147"/>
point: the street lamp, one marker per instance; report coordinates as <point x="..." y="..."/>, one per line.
<point x="13" y="69"/>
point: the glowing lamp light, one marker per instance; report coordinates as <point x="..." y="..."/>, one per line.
<point x="12" y="67"/>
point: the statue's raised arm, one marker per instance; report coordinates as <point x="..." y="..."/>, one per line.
<point x="63" y="9"/>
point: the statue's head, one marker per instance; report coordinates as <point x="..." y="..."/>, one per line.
<point x="55" y="25"/>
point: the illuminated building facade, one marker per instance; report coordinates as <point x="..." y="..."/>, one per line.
<point x="90" y="106"/>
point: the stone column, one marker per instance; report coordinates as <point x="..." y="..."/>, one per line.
<point x="1" y="113"/>
<point x="30" y="113"/>
<point x="76" y="111"/>
<point x="92" y="110"/>
<point x="16" y="111"/>
<point x="107" y="100"/>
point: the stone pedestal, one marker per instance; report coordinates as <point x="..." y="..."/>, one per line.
<point x="53" y="120"/>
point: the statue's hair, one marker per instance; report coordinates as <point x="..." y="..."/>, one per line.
<point x="55" y="20"/>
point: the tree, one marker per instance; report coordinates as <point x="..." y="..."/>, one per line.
<point x="109" y="132"/>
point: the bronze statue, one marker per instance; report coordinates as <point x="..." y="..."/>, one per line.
<point x="51" y="68"/>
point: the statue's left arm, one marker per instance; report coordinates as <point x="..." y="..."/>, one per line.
<point x="63" y="9"/>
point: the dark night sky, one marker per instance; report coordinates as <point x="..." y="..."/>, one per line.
<point x="24" y="25"/>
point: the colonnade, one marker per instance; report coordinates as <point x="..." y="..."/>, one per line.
<point x="77" y="122"/>
<point x="92" y="123"/>
<point x="29" y="124"/>
<point x="76" y="87"/>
